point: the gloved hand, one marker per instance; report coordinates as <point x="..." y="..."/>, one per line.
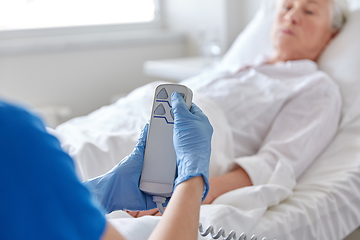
<point x="192" y="142"/>
<point x="118" y="189"/>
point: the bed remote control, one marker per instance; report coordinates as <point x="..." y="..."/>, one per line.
<point x="158" y="173"/>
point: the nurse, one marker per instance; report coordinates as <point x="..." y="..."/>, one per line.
<point x="42" y="198"/>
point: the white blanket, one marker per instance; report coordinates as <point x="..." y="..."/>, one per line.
<point x="100" y="140"/>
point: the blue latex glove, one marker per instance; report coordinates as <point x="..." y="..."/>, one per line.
<point x="192" y="142"/>
<point x="118" y="189"/>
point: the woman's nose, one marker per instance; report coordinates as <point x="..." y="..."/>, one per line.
<point x="293" y="16"/>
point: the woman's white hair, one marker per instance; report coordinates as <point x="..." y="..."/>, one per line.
<point x="340" y="11"/>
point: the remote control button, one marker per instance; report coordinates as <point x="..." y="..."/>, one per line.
<point x="172" y="114"/>
<point x="162" y="94"/>
<point x="160" y="110"/>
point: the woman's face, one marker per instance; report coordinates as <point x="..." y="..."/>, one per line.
<point x="302" y="29"/>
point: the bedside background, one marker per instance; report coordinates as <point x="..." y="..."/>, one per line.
<point x="73" y="75"/>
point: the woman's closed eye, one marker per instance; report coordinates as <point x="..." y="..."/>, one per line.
<point x="309" y="11"/>
<point x="287" y="8"/>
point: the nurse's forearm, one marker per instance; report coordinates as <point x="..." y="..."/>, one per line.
<point x="235" y="179"/>
<point x="181" y="217"/>
<point x="110" y="233"/>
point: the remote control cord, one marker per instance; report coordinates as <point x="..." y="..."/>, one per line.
<point x="159" y="203"/>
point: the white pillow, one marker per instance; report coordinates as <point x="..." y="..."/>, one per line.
<point x="341" y="59"/>
<point x="252" y="42"/>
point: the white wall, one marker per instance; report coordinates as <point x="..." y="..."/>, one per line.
<point x="227" y="17"/>
<point x="355" y="4"/>
<point x="85" y="78"/>
<point x="239" y="13"/>
<point x="188" y="15"/>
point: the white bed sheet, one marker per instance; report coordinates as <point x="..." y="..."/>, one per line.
<point x="326" y="200"/>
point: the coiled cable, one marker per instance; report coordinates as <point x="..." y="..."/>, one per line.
<point x="210" y="229"/>
<point x="221" y="233"/>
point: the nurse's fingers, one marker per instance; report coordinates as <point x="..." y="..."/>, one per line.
<point x="178" y="104"/>
<point x="133" y="214"/>
<point x="150" y="212"/>
<point x="143" y="136"/>
<point x="195" y="109"/>
<point x="158" y="214"/>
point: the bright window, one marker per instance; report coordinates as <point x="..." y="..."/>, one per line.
<point x="32" y="14"/>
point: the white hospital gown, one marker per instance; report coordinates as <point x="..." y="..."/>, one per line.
<point x="288" y="111"/>
<point x="272" y="115"/>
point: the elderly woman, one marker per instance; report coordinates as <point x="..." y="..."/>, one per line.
<point x="295" y="108"/>
<point x="282" y="108"/>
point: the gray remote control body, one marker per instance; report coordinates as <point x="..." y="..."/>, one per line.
<point x="158" y="173"/>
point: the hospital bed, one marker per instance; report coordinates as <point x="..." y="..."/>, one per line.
<point x="323" y="204"/>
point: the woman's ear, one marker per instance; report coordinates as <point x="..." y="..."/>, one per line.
<point x="334" y="33"/>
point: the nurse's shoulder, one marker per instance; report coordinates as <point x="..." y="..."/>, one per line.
<point x="23" y="136"/>
<point x="13" y="118"/>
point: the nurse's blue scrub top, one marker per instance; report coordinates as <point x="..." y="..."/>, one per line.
<point x="40" y="194"/>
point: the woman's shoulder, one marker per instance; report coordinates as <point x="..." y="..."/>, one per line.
<point x="320" y="87"/>
<point x="324" y="80"/>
